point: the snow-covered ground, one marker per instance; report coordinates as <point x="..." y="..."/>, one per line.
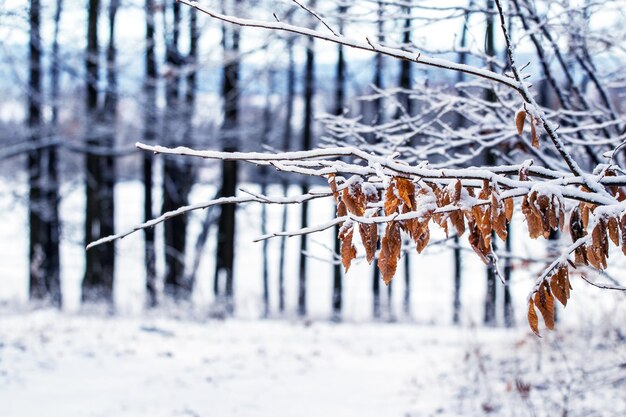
<point x="56" y="364"/>
<point x="178" y="361"/>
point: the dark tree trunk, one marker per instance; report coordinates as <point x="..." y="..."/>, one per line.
<point x="291" y="93"/>
<point x="107" y="162"/>
<point x="490" y="160"/>
<point x="267" y="127"/>
<point x="340" y="94"/>
<point x="509" y="317"/>
<point x="307" y="142"/>
<point x="177" y="178"/>
<point x="36" y="210"/>
<point x="187" y="174"/>
<point x="456" y="303"/>
<point x="53" y="263"/>
<point x="407" y="104"/>
<point x="96" y="284"/>
<point x="378" y="110"/>
<point x="150" y="136"/>
<point x="224" y="270"/>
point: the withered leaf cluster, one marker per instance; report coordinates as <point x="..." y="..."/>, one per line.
<point x="482" y="212"/>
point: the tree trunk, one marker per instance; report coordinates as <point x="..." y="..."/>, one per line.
<point x="490" y="160"/>
<point x="377" y="116"/>
<point x="53" y="270"/>
<point x="36" y="211"/>
<point x="107" y="162"/>
<point x="150" y="136"/>
<point x="224" y="270"/>
<point x="337" y="300"/>
<point x="509" y="317"/>
<point x="307" y="142"/>
<point x="267" y="127"/>
<point x="456" y="303"/>
<point x="94" y="286"/>
<point x="291" y="93"/>
<point x="177" y="181"/>
<point x="405" y="84"/>
<point x="458" y="271"/>
<point x="187" y="174"/>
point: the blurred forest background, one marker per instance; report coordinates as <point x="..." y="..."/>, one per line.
<point x="81" y="82"/>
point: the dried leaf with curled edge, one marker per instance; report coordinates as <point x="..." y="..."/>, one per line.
<point x="391" y="245"/>
<point x="543" y="201"/>
<point x="485" y="192"/>
<point x="533" y="320"/>
<point x="599" y="247"/>
<point x="369" y="237"/>
<point x="545" y="303"/>
<point x="533" y="135"/>
<point x="341" y="209"/>
<point x="354" y="199"/>
<point x="533" y="220"/>
<point x="348" y="251"/>
<point x="498" y="217"/>
<point x="613" y="227"/>
<point x="576" y="232"/>
<point x="553" y="216"/>
<point x="520" y="118"/>
<point x="458" y="221"/>
<point x="477" y="242"/>
<point x="392" y="202"/>
<point x="333" y="186"/>
<point x="509" y="208"/>
<point x="592" y="257"/>
<point x="456" y="197"/>
<point x="559" y="285"/>
<point x="584" y="214"/>
<point x="422" y="240"/>
<point x="420" y="233"/>
<point x="406" y="191"/>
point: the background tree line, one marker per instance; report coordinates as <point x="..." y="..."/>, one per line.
<point x="263" y="102"/>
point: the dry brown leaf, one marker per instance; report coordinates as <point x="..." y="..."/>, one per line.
<point x="406" y="191"/>
<point x="576" y="232"/>
<point x="369" y="237"/>
<point x="545" y="303"/>
<point x="613" y="227"/>
<point x="348" y="251"/>
<point x="509" y="207"/>
<point x="534" y="136"/>
<point x="341" y="209"/>
<point x="477" y="242"/>
<point x="391" y="245"/>
<point x="391" y="200"/>
<point x="533" y="320"/>
<point x="354" y="199"/>
<point x="458" y="187"/>
<point x="520" y="118"/>
<point x="533" y="219"/>
<point x="557" y="285"/>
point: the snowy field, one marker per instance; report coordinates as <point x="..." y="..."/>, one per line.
<point x="56" y="364"/>
<point x="179" y="361"/>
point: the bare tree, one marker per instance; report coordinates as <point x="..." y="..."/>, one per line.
<point x="37" y="243"/>
<point x="307" y="143"/>
<point x="224" y="275"/>
<point x="150" y="118"/>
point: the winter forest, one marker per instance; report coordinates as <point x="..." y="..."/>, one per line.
<point x="312" y="208"/>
